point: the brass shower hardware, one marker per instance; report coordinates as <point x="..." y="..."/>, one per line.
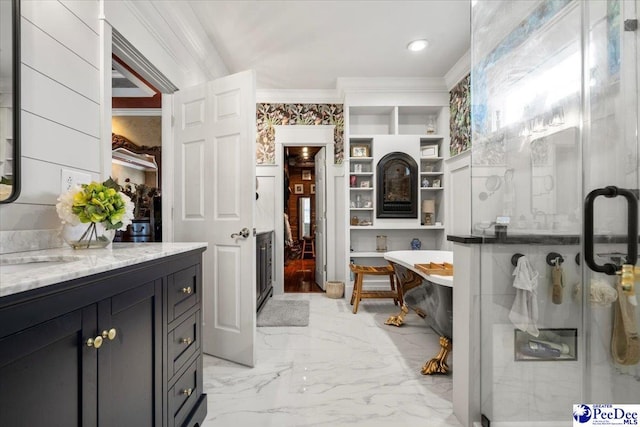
<point x="627" y="279"/>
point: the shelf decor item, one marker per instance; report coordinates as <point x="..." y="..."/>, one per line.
<point x="431" y="124"/>
<point x="416" y="244"/>
<point x="359" y="151"/>
<point x="428" y="211"/>
<point x="429" y="151"/>
<point x="92" y="213"/>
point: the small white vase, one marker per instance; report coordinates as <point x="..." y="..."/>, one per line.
<point x="87" y="236"/>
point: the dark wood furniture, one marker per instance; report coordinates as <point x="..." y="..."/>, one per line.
<point x="264" y="267"/>
<point x="120" y="348"/>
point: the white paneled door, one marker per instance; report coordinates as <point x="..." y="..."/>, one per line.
<point x="214" y="202"/>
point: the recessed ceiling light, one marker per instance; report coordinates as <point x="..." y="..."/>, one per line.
<point x="417" y="45"/>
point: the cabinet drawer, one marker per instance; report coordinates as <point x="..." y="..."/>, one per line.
<point x="184" y="341"/>
<point x="184" y="395"/>
<point x="183" y="290"/>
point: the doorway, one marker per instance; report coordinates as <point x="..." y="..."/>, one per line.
<point x="300" y="213"/>
<point x="317" y="136"/>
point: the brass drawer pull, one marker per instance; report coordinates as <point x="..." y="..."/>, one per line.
<point x="95" y="342"/>
<point x="110" y="334"/>
<point x="187" y="290"/>
<point x="186" y="341"/>
<point x="187" y="391"/>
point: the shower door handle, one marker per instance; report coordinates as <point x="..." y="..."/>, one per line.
<point x="632" y="230"/>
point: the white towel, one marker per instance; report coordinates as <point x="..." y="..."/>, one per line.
<point x="524" y="312"/>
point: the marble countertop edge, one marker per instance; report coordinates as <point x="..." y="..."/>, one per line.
<point x="63" y="264"/>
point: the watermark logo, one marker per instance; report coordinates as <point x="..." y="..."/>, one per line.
<point x="605" y="415"/>
<point x="581" y="413"/>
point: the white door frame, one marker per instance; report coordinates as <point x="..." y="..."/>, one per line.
<point x="300" y="136"/>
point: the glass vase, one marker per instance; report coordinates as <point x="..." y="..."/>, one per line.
<point x="87" y="236"/>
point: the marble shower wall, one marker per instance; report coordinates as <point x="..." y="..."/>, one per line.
<point x="270" y="115"/>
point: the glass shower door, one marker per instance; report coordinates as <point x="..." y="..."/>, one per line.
<point x="611" y="179"/>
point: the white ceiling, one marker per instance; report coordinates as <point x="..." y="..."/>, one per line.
<point x="307" y="44"/>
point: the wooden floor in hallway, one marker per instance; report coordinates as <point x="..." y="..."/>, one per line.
<point x="299" y="276"/>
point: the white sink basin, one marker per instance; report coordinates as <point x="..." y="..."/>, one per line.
<point x="20" y="264"/>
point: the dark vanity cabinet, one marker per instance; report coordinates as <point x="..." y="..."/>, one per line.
<point x="264" y="267"/>
<point x="91" y="351"/>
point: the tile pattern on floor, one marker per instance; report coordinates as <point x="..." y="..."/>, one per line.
<point x="341" y="370"/>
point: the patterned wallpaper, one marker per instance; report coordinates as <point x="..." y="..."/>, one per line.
<point x="460" y="117"/>
<point x="270" y="115"/>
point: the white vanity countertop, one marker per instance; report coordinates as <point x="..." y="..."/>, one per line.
<point x="409" y="259"/>
<point x="24" y="271"/>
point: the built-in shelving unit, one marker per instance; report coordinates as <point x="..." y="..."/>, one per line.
<point x="372" y="132"/>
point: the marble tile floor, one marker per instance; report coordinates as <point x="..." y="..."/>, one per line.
<point x="341" y="370"/>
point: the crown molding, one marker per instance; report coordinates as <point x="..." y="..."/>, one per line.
<point x="299" y="96"/>
<point x="136" y="112"/>
<point x="391" y="84"/>
<point x="459" y="70"/>
<point x="176" y="28"/>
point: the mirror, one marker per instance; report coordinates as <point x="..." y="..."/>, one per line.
<point x="554" y="176"/>
<point x="9" y="100"/>
<point x="304" y="217"/>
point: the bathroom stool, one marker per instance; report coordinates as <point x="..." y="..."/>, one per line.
<point x="385" y="270"/>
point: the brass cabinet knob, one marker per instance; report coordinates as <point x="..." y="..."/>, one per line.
<point x="186" y="341"/>
<point x="187" y="391"/>
<point x="95" y="342"/>
<point x="110" y="334"/>
<point x="187" y="290"/>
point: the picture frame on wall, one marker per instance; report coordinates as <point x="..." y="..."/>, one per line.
<point x="313" y="189"/>
<point x="359" y="151"/>
<point x="298" y="189"/>
<point x="306" y="175"/>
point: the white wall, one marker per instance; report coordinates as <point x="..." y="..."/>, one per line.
<point x="60" y="106"/>
<point x="66" y="68"/>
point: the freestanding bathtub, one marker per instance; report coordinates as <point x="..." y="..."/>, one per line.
<point x="429" y="295"/>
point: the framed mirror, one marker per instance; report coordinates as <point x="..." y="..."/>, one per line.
<point x="9" y="100"/>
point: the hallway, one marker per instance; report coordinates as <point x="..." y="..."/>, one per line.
<point x="341" y="370"/>
<point x="299" y="276"/>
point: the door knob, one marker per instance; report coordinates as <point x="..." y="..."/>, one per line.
<point x="110" y="334"/>
<point x="95" y="342"/>
<point x="244" y="233"/>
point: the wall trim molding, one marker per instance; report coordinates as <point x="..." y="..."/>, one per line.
<point x="136" y="112"/>
<point x="391" y="84"/>
<point x="459" y="70"/>
<point x="299" y="96"/>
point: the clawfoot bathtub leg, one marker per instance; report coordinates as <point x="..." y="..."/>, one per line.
<point x="438" y="365"/>
<point x="398" y="319"/>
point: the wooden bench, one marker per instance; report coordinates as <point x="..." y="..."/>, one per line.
<point x="360" y="271"/>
